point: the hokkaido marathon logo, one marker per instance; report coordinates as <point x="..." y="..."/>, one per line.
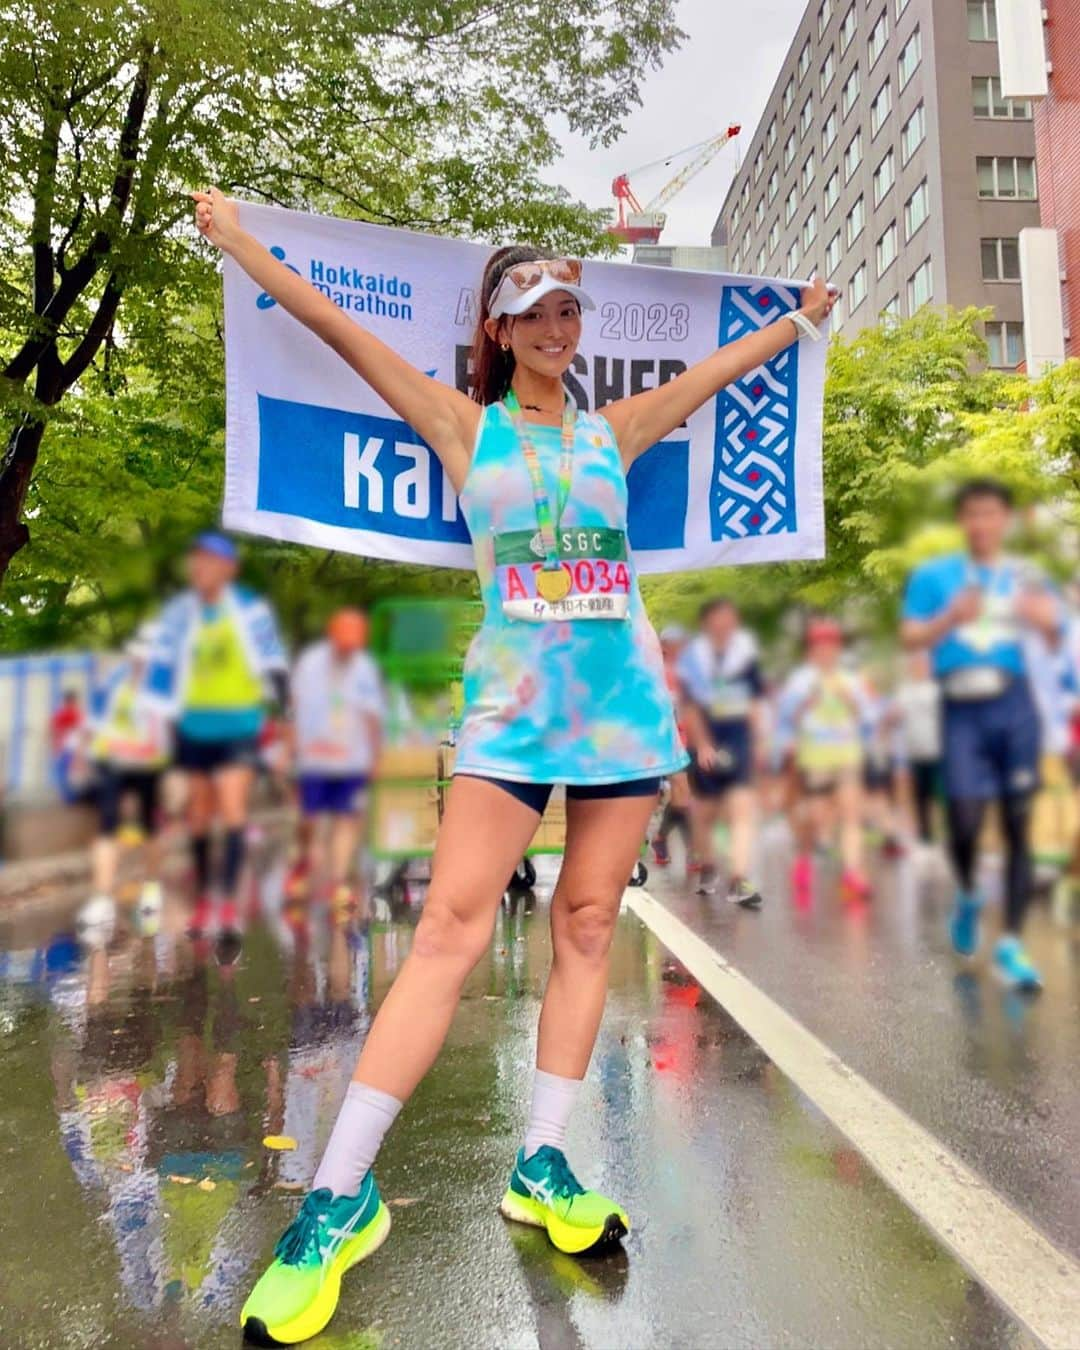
<point x="382" y="294"/>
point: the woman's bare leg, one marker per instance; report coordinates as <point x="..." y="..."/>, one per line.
<point x="484" y="833"/>
<point x="603" y="839"/>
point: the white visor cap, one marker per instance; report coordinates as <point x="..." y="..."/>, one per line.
<point x="509" y="300"/>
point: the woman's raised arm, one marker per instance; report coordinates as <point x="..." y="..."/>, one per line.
<point x="643" y="419"/>
<point x="444" y="417"/>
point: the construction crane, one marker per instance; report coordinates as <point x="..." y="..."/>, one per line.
<point x="643" y="224"/>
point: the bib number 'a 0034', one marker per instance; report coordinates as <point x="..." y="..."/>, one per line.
<point x="593" y="559"/>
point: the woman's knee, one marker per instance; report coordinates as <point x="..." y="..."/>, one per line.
<point x="448" y="932"/>
<point x="584" y="930"/>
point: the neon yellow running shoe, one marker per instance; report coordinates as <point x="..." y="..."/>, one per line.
<point x="298" y="1293"/>
<point x="544" y="1192"/>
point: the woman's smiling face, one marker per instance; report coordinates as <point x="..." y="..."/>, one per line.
<point x="544" y="338"/>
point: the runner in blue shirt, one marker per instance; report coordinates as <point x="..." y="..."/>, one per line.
<point x="978" y="612"/>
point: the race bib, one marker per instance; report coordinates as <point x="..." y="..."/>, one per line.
<point x="594" y="561"/>
<point x="730" y="699"/>
<point x="997" y="625"/>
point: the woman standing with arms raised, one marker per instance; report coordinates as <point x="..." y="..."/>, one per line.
<point x="560" y="687"/>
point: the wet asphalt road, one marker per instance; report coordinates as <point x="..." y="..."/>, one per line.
<point x="992" y="1074"/>
<point x="138" y="1203"/>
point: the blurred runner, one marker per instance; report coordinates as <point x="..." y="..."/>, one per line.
<point x="823" y="716"/>
<point x="129" y="747"/>
<point x="880" y="771"/>
<point x="722" y="690"/>
<point x="339" y="712"/>
<point x="215" y="645"/>
<point x="978" y="613"/>
<point x="64" y="739"/>
<point x="676" y="812"/>
<point x="919" y="701"/>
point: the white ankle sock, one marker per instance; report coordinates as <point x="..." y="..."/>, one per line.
<point x="365" y="1116"/>
<point x="553" y="1100"/>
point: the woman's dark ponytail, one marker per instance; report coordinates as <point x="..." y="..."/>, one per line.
<point x="492" y="368"/>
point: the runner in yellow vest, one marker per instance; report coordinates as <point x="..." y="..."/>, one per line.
<point x="216" y="655"/>
<point x="129" y="748"/>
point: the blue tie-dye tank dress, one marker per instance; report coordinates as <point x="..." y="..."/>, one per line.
<point x="575" y="700"/>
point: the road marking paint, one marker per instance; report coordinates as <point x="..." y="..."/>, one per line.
<point x="1035" y="1281"/>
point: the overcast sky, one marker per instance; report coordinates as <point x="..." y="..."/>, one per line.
<point x="722" y="73"/>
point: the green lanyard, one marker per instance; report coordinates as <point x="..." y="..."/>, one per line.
<point x="552" y="586"/>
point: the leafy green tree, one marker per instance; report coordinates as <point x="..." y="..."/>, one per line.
<point x="425" y="113"/>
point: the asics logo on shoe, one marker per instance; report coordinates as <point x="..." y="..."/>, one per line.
<point x="539" y="1190"/>
<point x="340" y="1235"/>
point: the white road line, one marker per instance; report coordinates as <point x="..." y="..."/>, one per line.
<point x="1035" y="1281"/>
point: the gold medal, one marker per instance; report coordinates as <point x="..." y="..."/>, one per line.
<point x="553" y="585"/>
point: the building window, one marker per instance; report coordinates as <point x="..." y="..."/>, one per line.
<point x="891" y="310"/>
<point x="847" y="28"/>
<point x="806" y="117"/>
<point x="824" y="14"/>
<point x="793" y="258"/>
<point x="789" y="152"/>
<point x="849" y="95"/>
<point x="901" y="5"/>
<point x="857" y="289"/>
<point x="791" y="205"/>
<point x="789" y="96"/>
<point x="832" y="190"/>
<point x="759" y="164"/>
<point x="982" y="21"/>
<point x="879" y="36"/>
<point x="987" y="101"/>
<point x="804" y="60"/>
<point x="1001" y="259"/>
<point x="853" y="156"/>
<point x="913" y="133"/>
<point x="759" y="213"/>
<point x="910" y="56"/>
<point x="736" y="215"/>
<point x="1006" y="343"/>
<point x="770" y="137"/>
<point x="920" y="287"/>
<point x="829" y="131"/>
<point x="832" y="255"/>
<point x="856" y="221"/>
<point x="744" y="196"/>
<point x="838" y="314"/>
<point x="1008" y="177"/>
<point x="828" y="70"/>
<point x="761" y="261"/>
<point x="809" y="230"/>
<point x="808" y="173"/>
<point x="916" y="209"/>
<point x="735" y="261"/>
<point x="887" y="248"/>
<point x="774" y="235"/>
<point x="774" y="185"/>
<point x="881" y="107"/>
<point x="884" y="177"/>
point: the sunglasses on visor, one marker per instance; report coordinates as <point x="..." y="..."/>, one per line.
<point x="522" y="277"/>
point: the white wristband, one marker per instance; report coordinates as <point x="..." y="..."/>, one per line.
<point x="807" y="328"/>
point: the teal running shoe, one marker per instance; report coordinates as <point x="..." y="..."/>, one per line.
<point x="1013" y="967"/>
<point x="545" y="1193"/>
<point x="964" y="923"/>
<point x="298" y="1294"/>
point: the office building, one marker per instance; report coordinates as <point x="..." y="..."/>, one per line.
<point x="889" y="161"/>
<point x="690" y="257"/>
<point x="1040" y="60"/>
